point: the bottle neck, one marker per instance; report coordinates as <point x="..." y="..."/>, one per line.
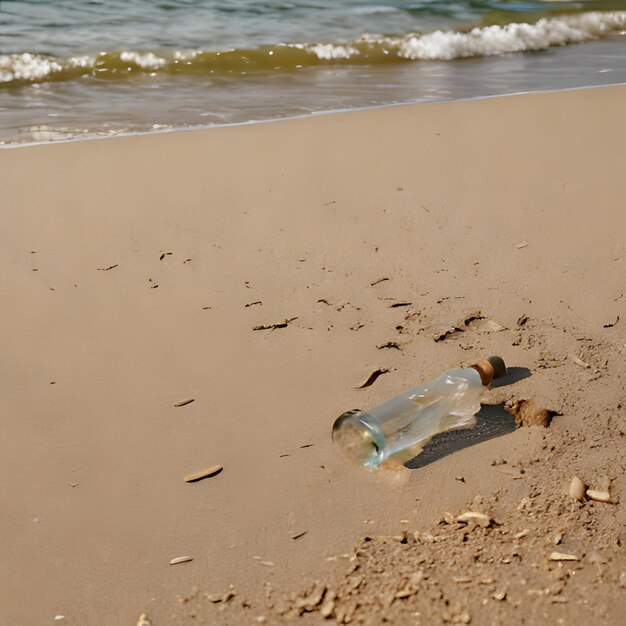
<point x="486" y="371"/>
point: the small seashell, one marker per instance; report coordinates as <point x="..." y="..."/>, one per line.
<point x="461" y="579"/>
<point x="577" y="489"/>
<point x="471" y="516"/>
<point x="181" y="559"/>
<point x="521" y="533"/>
<point x="211" y="471"/>
<point x="499" y="595"/>
<point x="599" y="496"/>
<point x="563" y="556"/>
<point x="558" y="538"/>
<point x="143" y="620"/>
<point x="578" y="361"/>
<point x="448" y="518"/>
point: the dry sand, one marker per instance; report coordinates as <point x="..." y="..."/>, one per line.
<point x="513" y="206"/>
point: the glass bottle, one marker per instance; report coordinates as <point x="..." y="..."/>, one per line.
<point x="398" y="429"/>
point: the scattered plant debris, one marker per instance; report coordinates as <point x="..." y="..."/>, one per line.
<point x="371" y="379"/>
<point x="282" y="324"/>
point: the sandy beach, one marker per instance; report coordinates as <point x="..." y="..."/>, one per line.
<point x="133" y="273"/>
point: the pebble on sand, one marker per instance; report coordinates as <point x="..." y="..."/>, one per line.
<point x="577" y="489"/>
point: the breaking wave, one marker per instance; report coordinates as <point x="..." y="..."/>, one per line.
<point x="26" y="68"/>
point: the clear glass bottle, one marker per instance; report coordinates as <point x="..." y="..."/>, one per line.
<point x="398" y="429"/>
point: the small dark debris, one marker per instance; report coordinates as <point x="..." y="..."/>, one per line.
<point x="461" y="326"/>
<point x="460" y="479"/>
<point x="611" y="325"/>
<point x="324" y="301"/>
<point x="307" y="445"/>
<point x="389" y="344"/>
<point x="53" y="382"/>
<point x="329" y="203"/>
<point x="380" y="280"/>
<point x="164" y="254"/>
<point x="283" y="324"/>
<point x="206" y="308"/>
<point x="253" y="303"/>
<point x="396" y="305"/>
<point x="184" y="402"/>
<point x="371" y="379"/>
<point x="299" y="535"/>
<point x="186" y="261"/>
<point x="522" y="320"/>
<point x="357" y="326"/>
<point x="35" y="269"/>
<point x="106" y="269"/>
<point x="282" y="455"/>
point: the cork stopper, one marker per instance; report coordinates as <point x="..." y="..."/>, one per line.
<point x="499" y="368"/>
<point x="490" y="368"/>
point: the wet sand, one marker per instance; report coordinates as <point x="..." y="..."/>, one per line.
<point x="134" y="271"/>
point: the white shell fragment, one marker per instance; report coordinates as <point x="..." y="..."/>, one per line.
<point x="471" y="516"/>
<point x="563" y="556"/>
<point x="205" y="473"/>
<point x="599" y="496"/>
<point x="578" y="361"/>
<point x="181" y="559"/>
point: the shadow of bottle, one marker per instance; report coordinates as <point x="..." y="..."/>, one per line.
<point x="491" y="421"/>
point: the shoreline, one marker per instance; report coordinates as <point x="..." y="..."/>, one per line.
<point x="138" y="274"/>
<point x="199" y="128"/>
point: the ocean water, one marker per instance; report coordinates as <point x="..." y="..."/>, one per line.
<point x="74" y="68"/>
